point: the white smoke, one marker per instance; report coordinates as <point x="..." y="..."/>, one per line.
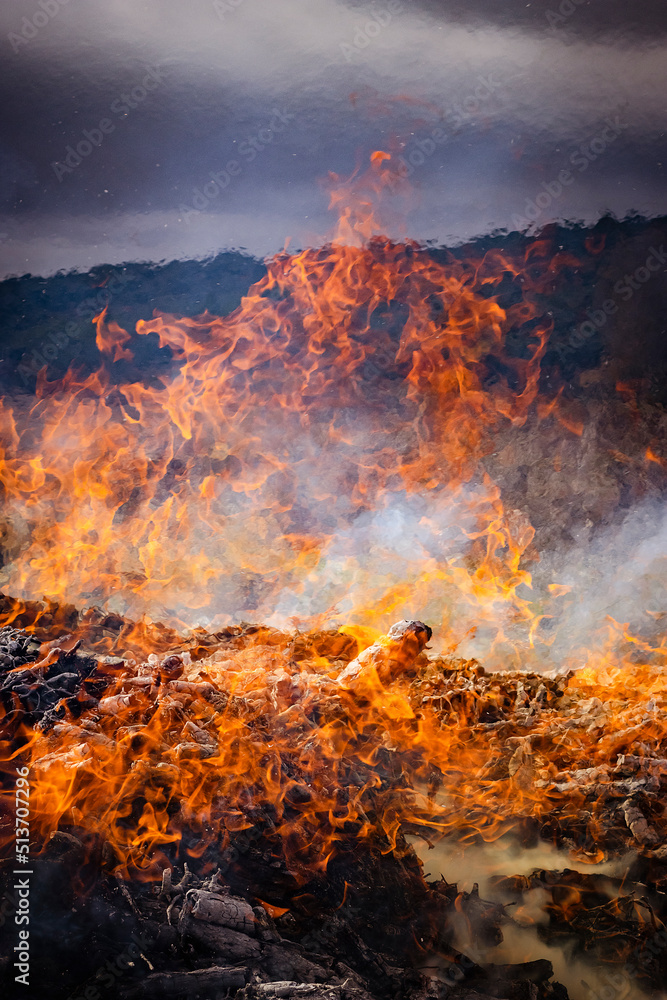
<point x="619" y="573"/>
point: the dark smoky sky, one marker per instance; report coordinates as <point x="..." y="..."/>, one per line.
<point x="288" y="90"/>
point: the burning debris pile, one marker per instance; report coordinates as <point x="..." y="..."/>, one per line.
<point x="240" y="805"/>
<point x="237" y="810"/>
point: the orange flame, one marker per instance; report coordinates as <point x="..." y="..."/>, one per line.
<point x="351" y="382"/>
<point x="320" y="446"/>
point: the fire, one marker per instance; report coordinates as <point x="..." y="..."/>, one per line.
<point x="314" y="457"/>
<point x="313" y="744"/>
<point x="350" y="397"/>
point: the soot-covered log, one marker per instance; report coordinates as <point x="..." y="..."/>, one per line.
<point x="142" y="943"/>
<point x="199" y="983"/>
